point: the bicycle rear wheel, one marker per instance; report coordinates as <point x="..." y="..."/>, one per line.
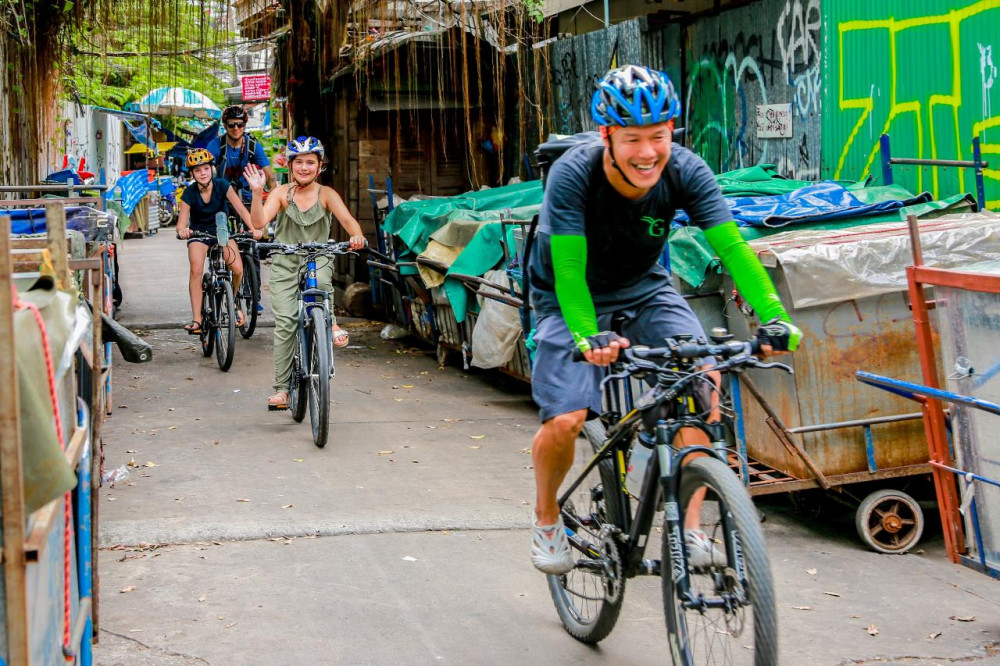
<point x="319" y="378"/>
<point x="225" y="345"/>
<point x="247" y="298"/>
<point x="589" y="599"/>
<point x="207" y="334"/>
<point x="745" y="630"/>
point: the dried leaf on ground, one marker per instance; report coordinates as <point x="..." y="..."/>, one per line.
<point x="287" y="506"/>
<point x="201" y="598"/>
<point x="476" y="436"/>
<point x="811" y="572"/>
<point x="242" y="500"/>
<point x="832" y="594"/>
<point x="809" y="608"/>
<point x="298" y="459"/>
<point x="150" y="464"/>
<point x="934" y="635"/>
<point x="127" y="589"/>
<point x="477" y="446"/>
<point x="872" y="630"/>
<point x="963" y="618"/>
<point x="385" y="453"/>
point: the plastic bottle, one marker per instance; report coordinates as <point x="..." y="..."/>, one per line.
<point x="642" y="451"/>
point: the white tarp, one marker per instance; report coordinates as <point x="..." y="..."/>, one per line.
<point x="824" y="266"/>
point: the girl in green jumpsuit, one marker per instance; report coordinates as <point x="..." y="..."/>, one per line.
<point x="304" y="210"/>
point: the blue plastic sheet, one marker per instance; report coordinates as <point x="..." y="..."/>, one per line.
<point x="814" y="203"/>
<point x="32" y="220"/>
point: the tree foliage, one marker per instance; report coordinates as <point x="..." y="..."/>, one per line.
<point x="183" y="44"/>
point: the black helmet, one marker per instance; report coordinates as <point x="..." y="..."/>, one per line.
<point x="634" y="95"/>
<point x="234" y="113"/>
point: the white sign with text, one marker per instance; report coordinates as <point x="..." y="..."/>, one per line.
<point x="774" y="121"/>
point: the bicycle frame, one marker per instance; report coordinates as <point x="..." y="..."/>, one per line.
<point x="660" y="486"/>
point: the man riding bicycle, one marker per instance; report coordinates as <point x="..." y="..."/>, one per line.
<point x="603" y="225"/>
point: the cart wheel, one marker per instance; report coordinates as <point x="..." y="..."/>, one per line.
<point x="890" y="521"/>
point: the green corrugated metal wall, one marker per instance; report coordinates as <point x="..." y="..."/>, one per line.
<point x="923" y="71"/>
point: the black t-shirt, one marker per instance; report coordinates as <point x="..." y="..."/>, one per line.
<point x="625" y="237"/>
<point x="203" y="214"/>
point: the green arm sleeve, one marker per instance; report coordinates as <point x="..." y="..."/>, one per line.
<point x="748" y="273"/>
<point x="569" y="265"/>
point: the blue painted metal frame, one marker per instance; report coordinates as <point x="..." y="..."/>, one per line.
<point x="977" y="159"/>
<point x="84" y="527"/>
<point x="870" y="449"/>
<point x="919" y="393"/>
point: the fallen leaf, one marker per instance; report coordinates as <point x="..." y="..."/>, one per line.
<point x="934" y="635"/>
<point x="409" y="559"/>
<point x="133" y="463"/>
<point x="476" y="436"/>
<point x="131" y="451"/>
<point x="287" y="506"/>
<point x="802" y="607"/>
<point x="855" y="617"/>
<point x="963" y="618"/>
<point x="477" y="446"/>
<point x="231" y="625"/>
<point x="811" y="572"/>
<point x="831" y="594"/>
<point x="407" y="385"/>
<point x="236" y="390"/>
<point x="127" y="589"/>
<point x="384" y="453"/>
<point x="242" y="500"/>
<point x="432" y="427"/>
<point x="298" y="459"/>
<point x="172" y="428"/>
<point x="201" y="598"/>
<point x="872" y="630"/>
<point x="416" y="461"/>
<point x="398" y="399"/>
<point x="150" y="464"/>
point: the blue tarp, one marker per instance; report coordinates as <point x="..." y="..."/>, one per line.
<point x="32" y="220"/>
<point x="133" y="188"/>
<point x="814" y="203"/>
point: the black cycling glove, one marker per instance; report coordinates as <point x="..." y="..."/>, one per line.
<point x="781" y="335"/>
<point x="602" y="339"/>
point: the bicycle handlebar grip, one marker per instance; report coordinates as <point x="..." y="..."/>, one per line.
<point x="578" y="355"/>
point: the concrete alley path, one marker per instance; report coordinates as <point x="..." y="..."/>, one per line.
<point x="236" y="541"/>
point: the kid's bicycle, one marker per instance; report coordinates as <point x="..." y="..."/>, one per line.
<point x="312" y="362"/>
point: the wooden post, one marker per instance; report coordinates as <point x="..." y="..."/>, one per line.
<point x="11" y="494"/>
<point x="55" y="224"/>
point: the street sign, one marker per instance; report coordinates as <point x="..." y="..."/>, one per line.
<point x="256" y="87"/>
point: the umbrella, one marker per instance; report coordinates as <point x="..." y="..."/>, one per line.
<point x="177" y="102"/>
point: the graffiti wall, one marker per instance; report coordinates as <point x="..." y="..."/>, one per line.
<point x="923" y="71"/>
<point x="752" y="93"/>
<point x="576" y="65"/>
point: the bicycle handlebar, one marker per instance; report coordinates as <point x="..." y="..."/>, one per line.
<point x="340" y="248"/>
<point x="197" y="234"/>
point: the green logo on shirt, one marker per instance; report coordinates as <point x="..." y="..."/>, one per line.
<point x="656" y="227"/>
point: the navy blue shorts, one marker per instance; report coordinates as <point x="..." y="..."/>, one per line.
<point x="560" y="385"/>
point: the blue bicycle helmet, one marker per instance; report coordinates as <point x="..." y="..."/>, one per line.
<point x="304" y="145"/>
<point x="634" y="95"/>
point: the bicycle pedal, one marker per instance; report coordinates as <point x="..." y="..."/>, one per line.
<point x="277" y="408"/>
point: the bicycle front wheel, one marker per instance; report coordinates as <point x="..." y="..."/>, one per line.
<point x="247" y="299"/>
<point x="319" y="377"/>
<point x="589" y="599"/>
<point x="207" y="317"/>
<point x="730" y="616"/>
<point x="225" y="344"/>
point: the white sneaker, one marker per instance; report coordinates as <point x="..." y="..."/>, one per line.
<point x="701" y="550"/>
<point x="550" y="550"/>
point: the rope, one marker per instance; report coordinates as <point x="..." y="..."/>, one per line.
<point x="67" y="504"/>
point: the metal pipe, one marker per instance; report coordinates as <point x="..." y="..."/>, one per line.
<point x="607" y="14"/>
<point x="968" y="164"/>
<point x="858" y="422"/>
<point x="788" y="439"/>
<point x="992" y="482"/>
<point x="50" y="188"/>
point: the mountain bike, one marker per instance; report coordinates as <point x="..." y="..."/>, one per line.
<point x="218" y="307"/>
<point x="249" y="294"/>
<point x="312" y="362"/>
<point x="719" y="612"/>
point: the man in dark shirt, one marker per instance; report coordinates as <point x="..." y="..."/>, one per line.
<point x="603" y="227"/>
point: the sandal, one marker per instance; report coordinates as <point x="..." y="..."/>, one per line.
<point x="341" y="338"/>
<point x="240" y="318"/>
<point x="193" y="328"/>
<point x="278" y="401"/>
